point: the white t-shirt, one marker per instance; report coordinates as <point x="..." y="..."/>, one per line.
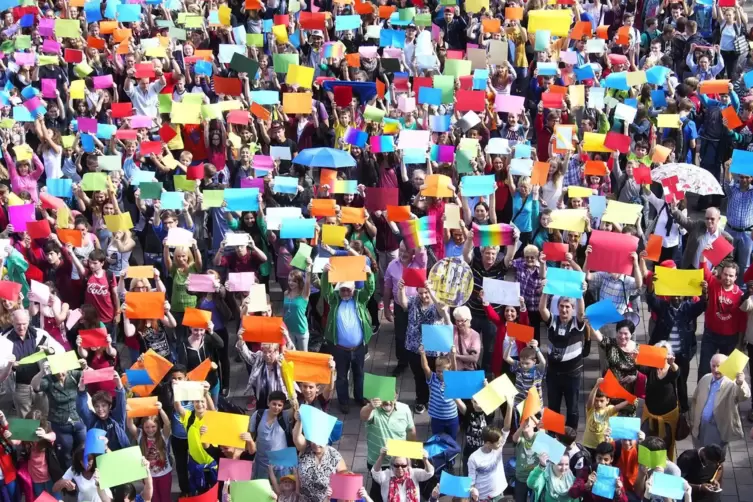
<point x="87" y="489"/>
<point x="382" y="477"/>
<point x="487" y="470"/>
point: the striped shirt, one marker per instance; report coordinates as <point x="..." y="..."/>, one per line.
<point x="739" y="213"/>
<point x="440" y="407"/>
<point x="525" y="379"/>
<point x="382" y="426"/>
<point x="565" y="346"/>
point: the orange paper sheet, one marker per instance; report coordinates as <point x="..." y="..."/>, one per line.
<point x="437" y="185"/>
<point x="145" y="305"/>
<point x="200" y="373"/>
<point x="714" y="87"/>
<point x="602" y="32"/>
<point x="660" y="154"/>
<point x="297" y="102"/>
<point x="540" y="173"/>
<point x="580" y="30"/>
<point x="140" y="272"/>
<point x="323" y="207"/>
<point x="653" y="357"/>
<point x="328" y="177"/>
<point x="260" y="112"/>
<point x="385" y="11"/>
<point x="352" y="215"/>
<point x="596" y="168"/>
<point x="354" y="60"/>
<point x="157" y="367"/>
<point x="107" y="27"/>
<point x="263" y="329"/>
<point x="491" y="25"/>
<point x="514" y="13"/>
<point x="196" y="318"/>
<point x="612" y="388"/>
<point x="653" y="247"/>
<point x="520" y="332"/>
<point x="552" y="421"/>
<point x="139" y="407"/>
<point x="623" y="35"/>
<point x="69" y="236"/>
<point x="532" y="404"/>
<point x="347" y="268"/>
<point x="310" y="366"/>
<point x="733" y="121"/>
<point x="398" y="213"/>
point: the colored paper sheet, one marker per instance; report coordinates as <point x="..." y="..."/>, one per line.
<point x="501" y="292"/>
<point x="674" y="282"/>
<point x="66" y="361"/>
<point x="139" y="407"/>
<point x="654" y="357"/>
<point x="552" y="421"/>
<point x="333" y="235"/>
<point x="531" y="405"/>
<point x="669" y="121"/>
<point x="594" y="142"/>
<point x="188" y="391"/>
<point x="473" y="186"/>
<point x="611" y="251"/>
<point x="653" y="247"/>
<point x="407" y="449"/>
<point x="624" y="427"/>
<point x="257" y="490"/>
<point x="606" y="479"/>
<point x="520" y="332"/>
<point x="310" y="366"/>
<point x="38" y="229"/>
<point x="20" y="215"/>
<point x="544" y="443"/>
<point x="350" y="215"/>
<point x="611" y="388"/>
<point x="10" y="290"/>
<point x="200" y="373"/>
<point x="651" y="459"/>
<point x="720" y="249"/>
<point x="562" y="282"/>
<point x="145" y="305"/>
<point x="23" y="429"/>
<point x="414" y="277"/>
<point x="622" y="212"/>
<point x="286" y="457"/>
<point x="437" y="337"/>
<point x="34" y="358"/>
<point x="398" y="213"/>
<point x="317" y="425"/>
<point x="438" y="185"/>
<point x="666" y="485"/>
<point x="225" y="429"/>
<point x="456" y="486"/>
<point x="573" y="220"/>
<point x="120" y="467"/>
<point x="555" y="251"/>
<point x="262" y="329"/>
<point x="602" y="313"/>
<point x="234" y="470"/>
<point x="463" y="384"/>
<point x="742" y="162"/>
<point x="347" y="268"/>
<point x="240" y="281"/>
<point x="734" y="364"/>
<point x="495" y="394"/>
<point x="196" y="318"/>
<point x="557" y="21"/>
<point x="298" y="229"/>
<point x="345" y="486"/>
<point x="91" y="338"/>
<point x="382" y="387"/>
<point x="96" y="442"/>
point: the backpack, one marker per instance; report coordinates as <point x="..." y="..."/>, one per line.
<point x="280" y="421"/>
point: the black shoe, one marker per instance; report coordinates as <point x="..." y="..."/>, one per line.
<point x="399" y="369"/>
<point x="344" y="409"/>
<point x="750" y="416"/>
<point x="419" y="409"/>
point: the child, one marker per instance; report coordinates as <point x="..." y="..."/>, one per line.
<point x="102" y="290"/>
<point x="156" y="449"/>
<point x="287" y="489"/>
<point x="626" y="458"/>
<point x="202" y="468"/>
<point x="598" y="411"/>
<point x="179" y="436"/>
<point x="486" y="468"/>
<point x="442" y="411"/>
<point x="525" y="457"/>
<point x="42" y="465"/>
<point x="474" y="423"/>
<point x="108" y="417"/>
<point x="100" y="357"/>
<point x="528" y="370"/>
<point x="581" y="489"/>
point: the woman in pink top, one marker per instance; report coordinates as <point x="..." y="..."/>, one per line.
<point x="22" y="178"/>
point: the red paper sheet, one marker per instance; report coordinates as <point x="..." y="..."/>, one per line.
<point x="611" y="252"/>
<point x="414" y="277"/>
<point x="91" y="338"/>
<point x="555" y="251"/>
<point x="612" y="388"/>
<point x="617" y="141"/>
<point x="470" y="101"/>
<point x="720" y="249"/>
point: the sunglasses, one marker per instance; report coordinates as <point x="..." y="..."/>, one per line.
<point x="400" y="466"/>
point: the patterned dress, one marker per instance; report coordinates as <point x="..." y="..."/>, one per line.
<point x="314" y="475"/>
<point x="623" y="366"/>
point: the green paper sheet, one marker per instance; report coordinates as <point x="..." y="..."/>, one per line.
<point x="242" y="64"/>
<point x="23" y="42"/>
<point x="150" y="190"/>
<point x="181" y="183"/>
<point x="67" y="28"/>
<point x="382" y="387"/>
<point x="652" y="459"/>
<point x="165" y="23"/>
<point x="422" y="20"/>
<point x="109" y="162"/>
<point x="193" y="98"/>
<point x="194" y="21"/>
<point x="212" y="111"/>
<point x="255" y="39"/>
<point x="294" y="6"/>
<point x="463" y="159"/>
<point x="7" y="123"/>
<point x="82" y="70"/>
<point x="213" y="198"/>
<point x="282" y="61"/>
<point x="23" y="429"/>
<point x="66" y="361"/>
<point x="176" y="33"/>
<point x="44" y="60"/>
<point x="165" y="103"/>
<point x="7" y="46"/>
<point x="34" y="358"/>
<point x="94" y="181"/>
<point x="299" y="260"/>
<point x="457" y="67"/>
<point x="373" y="113"/>
<point x="121" y="467"/>
<point x="446" y="83"/>
<point x="407" y="14"/>
<point x="258" y="490"/>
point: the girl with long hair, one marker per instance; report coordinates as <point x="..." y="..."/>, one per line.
<point x="153" y="442"/>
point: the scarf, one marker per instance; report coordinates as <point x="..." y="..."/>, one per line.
<point x="557" y="487"/>
<point x="411" y="492"/>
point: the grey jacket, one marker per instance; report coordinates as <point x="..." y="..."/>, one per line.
<point x="696" y="230"/>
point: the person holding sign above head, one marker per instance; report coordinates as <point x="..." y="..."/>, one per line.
<point x="714" y="415"/>
<point x="598" y="411"/>
<point x="400" y="483"/>
<point x="153" y="440"/>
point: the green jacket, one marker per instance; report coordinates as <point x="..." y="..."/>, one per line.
<point x="537" y="482"/>
<point x="332" y="297"/>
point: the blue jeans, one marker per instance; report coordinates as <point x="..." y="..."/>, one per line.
<point x="353" y="360"/>
<point x="711" y="343"/>
<point x="564" y="386"/>
<point x="69" y="436"/>
<point x="45" y="487"/>
<point x="743" y="248"/>
<point x="301" y="341"/>
<point x="449" y="427"/>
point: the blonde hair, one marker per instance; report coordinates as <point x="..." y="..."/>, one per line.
<point x="531" y="250"/>
<point x="184" y="249"/>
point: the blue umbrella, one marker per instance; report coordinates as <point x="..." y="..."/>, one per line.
<point x="325" y="157"/>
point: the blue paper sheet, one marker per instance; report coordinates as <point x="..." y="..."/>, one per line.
<point x="337" y="432"/>
<point x="585" y="72"/>
<point x="344" y="23"/>
<point x="106" y="131"/>
<point x="392" y="38"/>
<point x="547" y="69"/>
<point x="456" y="486"/>
<point x="658" y="98"/>
<point x="317" y="425"/>
<point x="267" y="25"/>
<point x="202" y="67"/>
<point x="61" y="187"/>
<point x="477" y="186"/>
<point x="414" y="156"/>
<point x="624" y="427"/>
<point x="286" y="184"/>
<point x="742" y="162"/>
<point x="296" y="228"/>
<point x="436" y="337"/>
<point x="95" y="442"/>
<point x="265" y="97"/>
<point x="606" y="479"/>
<point x="364" y="90"/>
<point x="93" y="14"/>
<point x="522" y="151"/>
<point x="287" y="457"/>
<point x="111" y="9"/>
<point x="429" y="96"/>
<point x="29" y="92"/>
<point x="22" y="114"/>
<point x="138" y="177"/>
<point x="138" y="377"/>
<point x="597" y="204"/>
<point x="547" y="444"/>
<point x="87" y="143"/>
<point x="462" y="384"/>
<point x="666" y="485"/>
<point x="172" y="200"/>
<point x="657" y="75"/>
<point x="748" y="79"/>
<point x="440" y="123"/>
<point x="617" y="81"/>
<point x="129" y="13"/>
<point x="242" y="199"/>
<point x="561" y="282"/>
<point x="601" y="313"/>
<point x="360" y="139"/>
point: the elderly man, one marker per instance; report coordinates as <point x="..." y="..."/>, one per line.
<point x="714" y="414"/>
<point x="385" y="420"/>
<point x="348" y="332"/>
<point x="407" y="258"/>
<point x="740" y="217"/>
<point x="145" y="96"/>
<point x="26" y="341"/>
<point x="701" y="234"/>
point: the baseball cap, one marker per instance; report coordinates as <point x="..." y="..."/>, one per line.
<point x="346" y="285"/>
<point x="288" y="477"/>
<point x="317" y="33"/>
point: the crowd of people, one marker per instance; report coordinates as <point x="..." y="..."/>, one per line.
<point x="187" y="187"/>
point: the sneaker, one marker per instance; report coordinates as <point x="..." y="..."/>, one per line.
<point x="344" y="409"/>
<point x="419" y="409"/>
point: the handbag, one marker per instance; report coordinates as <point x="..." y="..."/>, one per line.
<point x="741" y="42"/>
<point x="682" y="430"/>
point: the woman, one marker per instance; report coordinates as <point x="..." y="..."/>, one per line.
<point x="181" y="265"/>
<point x="661" y="409"/>
<point x="264" y="371"/>
<point x="733" y="23"/>
<point x="400" y="483"/>
<point x="525" y="210"/>
<point x="551" y="482"/>
<point x="316" y="464"/>
<point x="467" y="341"/>
<point x="620" y="355"/>
<point x="422" y="309"/>
<point x="202" y="344"/>
<point x="295" y="305"/>
<point x="80" y="478"/>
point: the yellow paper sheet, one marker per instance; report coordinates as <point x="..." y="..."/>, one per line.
<point x="185" y="113"/>
<point x="23" y="152"/>
<point x="557" y="21"/>
<point x="333" y="235"/>
<point x="118" y="222"/>
<point x="576" y="191"/>
<point x="64" y="217"/>
<point x="674" y="282"/>
<point x="594" y="142"/>
<point x="63" y="362"/>
<point x="156" y="52"/>
<point x="475" y="6"/>
<point x="68" y="141"/>
<point x="577" y="95"/>
<point x="300" y="75"/>
<point x="15" y="200"/>
<point x="495" y="394"/>
<point x="669" y="121"/>
<point x="636" y="78"/>
<point x="281" y="33"/>
<point x="734" y="364"/>
<point x="77" y="89"/>
<point x="408" y="449"/>
<point x="225" y="428"/>
<point x="622" y="212"/>
<point x="573" y="220"/>
<point x="451" y="216"/>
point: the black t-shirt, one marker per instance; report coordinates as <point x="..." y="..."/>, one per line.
<point x="496" y="271"/>
<point x="661" y="394"/>
<point x="286" y="165"/>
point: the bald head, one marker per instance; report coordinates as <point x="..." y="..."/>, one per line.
<point x="20" y="319"/>
<point x="712" y="219"/>
<point x="716" y="362"/>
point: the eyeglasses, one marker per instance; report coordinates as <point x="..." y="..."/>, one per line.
<point x="462" y="321"/>
<point x="400" y="466"/>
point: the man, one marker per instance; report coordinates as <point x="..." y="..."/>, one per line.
<point x="486" y="468"/>
<point x="145" y="96"/>
<point x="276" y="138"/>
<point x="407" y="258"/>
<point x="739" y="216"/>
<point x="703" y="468"/>
<point x="714" y="414"/>
<point x="724" y="322"/>
<point x="348" y="331"/>
<point x="385" y="420"/>
<point x="454" y="29"/>
<point x="26" y="341"/>
<point x="701" y="234"/>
